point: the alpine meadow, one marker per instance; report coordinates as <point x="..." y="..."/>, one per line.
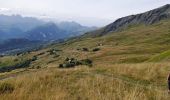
<point x="128" y="59"/>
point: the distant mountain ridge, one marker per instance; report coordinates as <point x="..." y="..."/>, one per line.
<point x="149" y="17"/>
<point x="74" y="28"/>
<point x="46" y="32"/>
<point x="17" y="32"/>
<point x="16" y="26"/>
<point x="18" y="21"/>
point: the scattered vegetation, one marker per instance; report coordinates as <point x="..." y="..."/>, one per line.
<point x="23" y="64"/>
<point x="85" y="49"/>
<point x="69" y="63"/>
<point x="34" y="58"/>
<point x="53" y="51"/>
<point x="96" y="49"/>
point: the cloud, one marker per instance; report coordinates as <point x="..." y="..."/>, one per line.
<point x="4" y="9"/>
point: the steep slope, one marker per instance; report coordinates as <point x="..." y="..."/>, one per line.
<point x="147" y="18"/>
<point x="137" y="43"/>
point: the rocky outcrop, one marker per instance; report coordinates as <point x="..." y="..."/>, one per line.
<point x="149" y="17"/>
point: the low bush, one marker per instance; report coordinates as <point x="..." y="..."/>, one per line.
<point x="60" y="65"/>
<point x="87" y="62"/>
<point x="96" y="49"/>
<point x="53" y="51"/>
<point x="85" y="49"/>
<point x="34" y="58"/>
<point x="70" y="63"/>
<point x="67" y="59"/>
<point x="78" y="49"/>
<point x="38" y="67"/>
<point x="24" y="64"/>
<point x="6" y="88"/>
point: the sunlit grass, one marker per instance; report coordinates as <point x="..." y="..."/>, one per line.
<point x="113" y="82"/>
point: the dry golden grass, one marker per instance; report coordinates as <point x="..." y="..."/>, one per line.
<point x="145" y="81"/>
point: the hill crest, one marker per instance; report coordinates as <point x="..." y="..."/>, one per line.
<point x="149" y="17"/>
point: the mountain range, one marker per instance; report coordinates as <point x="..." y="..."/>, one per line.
<point x="16" y="26"/>
<point x="32" y="29"/>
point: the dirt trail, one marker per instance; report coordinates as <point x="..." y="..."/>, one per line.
<point x="137" y="83"/>
<point x="127" y="80"/>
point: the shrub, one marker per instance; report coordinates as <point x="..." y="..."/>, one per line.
<point x="85" y="49"/>
<point x="34" y="58"/>
<point x="67" y="59"/>
<point x="6" y="88"/>
<point x="60" y="65"/>
<point x="38" y="67"/>
<point x="53" y="51"/>
<point x="78" y="49"/>
<point x="69" y="63"/>
<point x="23" y="64"/>
<point x="96" y="49"/>
<point x="87" y="62"/>
<point x="19" y="65"/>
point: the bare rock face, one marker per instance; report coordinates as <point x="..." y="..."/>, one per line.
<point x="149" y="17"/>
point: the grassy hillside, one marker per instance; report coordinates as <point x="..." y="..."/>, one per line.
<point x="113" y="82"/>
<point x="130" y="64"/>
<point x="162" y="56"/>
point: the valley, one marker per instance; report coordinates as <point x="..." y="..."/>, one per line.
<point x="127" y="64"/>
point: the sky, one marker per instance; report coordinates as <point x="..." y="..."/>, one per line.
<point x="86" y="12"/>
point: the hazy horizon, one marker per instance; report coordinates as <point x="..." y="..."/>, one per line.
<point x="86" y="12"/>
